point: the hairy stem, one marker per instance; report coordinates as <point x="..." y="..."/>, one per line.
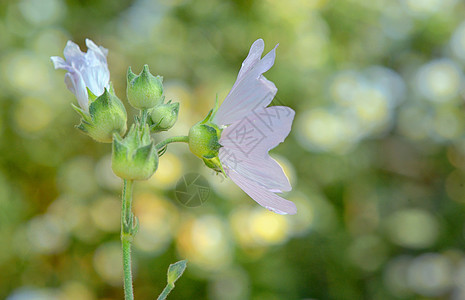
<point x="168" y="288"/>
<point x="128" y="291"/>
<point x="128" y="229"/>
<point x="143" y="116"/>
<point x="173" y="139"/>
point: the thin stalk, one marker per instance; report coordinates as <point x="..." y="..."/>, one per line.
<point x="128" y="290"/>
<point x="168" y="288"/>
<point x="173" y="139"/>
<point x="143" y="116"/>
<point x="127" y="234"/>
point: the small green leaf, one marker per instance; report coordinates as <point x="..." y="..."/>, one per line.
<point x="175" y="271"/>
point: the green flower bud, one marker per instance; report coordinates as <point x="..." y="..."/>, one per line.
<point x="204" y="142"/>
<point x="164" y="116"/>
<point x="134" y="157"/>
<point x="144" y="91"/>
<point x="106" y="117"/>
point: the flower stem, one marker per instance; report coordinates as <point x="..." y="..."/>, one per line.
<point x="168" y="288"/>
<point x="143" y="116"/>
<point x="173" y="139"/>
<point x="128" y="291"/>
<point x="128" y="230"/>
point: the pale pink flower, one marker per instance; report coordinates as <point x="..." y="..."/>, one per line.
<point x="251" y="129"/>
<point x="85" y="70"/>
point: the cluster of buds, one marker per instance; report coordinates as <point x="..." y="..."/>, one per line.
<point x="103" y="115"/>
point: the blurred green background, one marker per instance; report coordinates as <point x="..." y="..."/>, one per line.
<point x="376" y="155"/>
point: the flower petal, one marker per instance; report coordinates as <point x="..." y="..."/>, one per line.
<point x="245" y="146"/>
<point x="76" y="85"/>
<point x="59" y="63"/>
<point x="262" y="196"/>
<point x="253" y="57"/>
<point x="263" y="170"/>
<point x="85" y="70"/>
<point x="73" y="54"/>
<point x="251" y="89"/>
<point x="100" y="51"/>
<point x="96" y="75"/>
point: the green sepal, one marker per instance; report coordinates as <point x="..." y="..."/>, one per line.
<point x="86" y="120"/>
<point x="211" y="114"/>
<point x="91" y="95"/>
<point x="215" y="164"/>
<point x="135" y="157"/>
<point x="143" y="154"/>
<point x="85" y="116"/>
<point x="130" y="75"/>
<point x="204" y="141"/>
<point x="107" y="115"/>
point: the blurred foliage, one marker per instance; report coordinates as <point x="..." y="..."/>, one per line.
<point x="376" y="155"/>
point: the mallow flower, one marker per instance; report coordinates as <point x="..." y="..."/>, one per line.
<point x="102" y="113"/>
<point x="236" y="137"/>
<point x="85" y="71"/>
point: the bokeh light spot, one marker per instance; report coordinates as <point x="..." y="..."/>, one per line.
<point x="108" y="262"/>
<point x="158" y="218"/>
<point x="41" y="11"/>
<point x="439" y="80"/>
<point x="412" y="228"/>
<point x="32" y="115"/>
<point x="204" y="242"/>
<point x="430" y="275"/>
<point x="47" y="234"/>
<point x="169" y="171"/>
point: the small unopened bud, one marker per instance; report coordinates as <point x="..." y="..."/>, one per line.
<point x="106" y="117"/>
<point x="144" y="91"/>
<point x="164" y="116"/>
<point x="134" y="157"/>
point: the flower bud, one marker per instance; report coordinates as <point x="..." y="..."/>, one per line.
<point x="106" y="116"/>
<point x="204" y="141"/>
<point x="144" y="91"/>
<point x="134" y="157"/>
<point x="164" y="116"/>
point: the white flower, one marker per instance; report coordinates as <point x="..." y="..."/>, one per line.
<point x="85" y="70"/>
<point x="251" y="129"/>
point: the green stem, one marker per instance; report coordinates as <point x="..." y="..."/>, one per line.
<point x="144" y="115"/>
<point x="174" y="139"/>
<point x="128" y="290"/>
<point x="168" y="288"/>
<point x="127" y="234"/>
